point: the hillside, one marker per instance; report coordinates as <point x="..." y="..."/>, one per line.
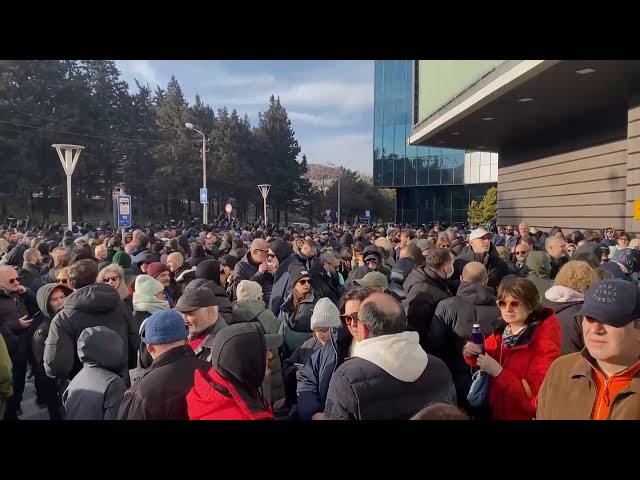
<point x="324" y="174"/>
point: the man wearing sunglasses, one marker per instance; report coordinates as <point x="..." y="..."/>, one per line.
<point x="17" y="307"/>
<point x="254" y="267"/>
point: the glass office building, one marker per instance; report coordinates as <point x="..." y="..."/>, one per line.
<point x="432" y="183"/>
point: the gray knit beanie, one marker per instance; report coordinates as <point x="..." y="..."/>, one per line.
<point x="325" y="315"/>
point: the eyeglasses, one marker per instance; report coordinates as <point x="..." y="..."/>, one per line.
<point x="110" y="279"/>
<point x="270" y="256"/>
<point x="63" y="280"/>
<point x="521" y="252"/>
<point x="349" y="319"/>
<point x="514" y="305"/>
<point x="304" y="281"/>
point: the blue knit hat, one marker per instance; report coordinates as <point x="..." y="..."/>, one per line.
<point x="166" y="326"/>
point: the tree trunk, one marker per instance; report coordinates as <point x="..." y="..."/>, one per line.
<point x="189" y="206"/>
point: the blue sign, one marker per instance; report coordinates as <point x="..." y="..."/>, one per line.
<point x="203" y="196"/>
<point x="367" y="214"/>
<point x="124" y="211"/>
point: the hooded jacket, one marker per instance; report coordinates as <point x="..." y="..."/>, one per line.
<point x="230" y="389"/>
<point x="566" y="302"/>
<point x="606" y="241"/>
<point x="451" y="329"/>
<point x="389" y="377"/>
<point x="425" y="289"/>
<point x="539" y="265"/>
<point x="96" y="391"/>
<point x="255" y="311"/>
<point x="91" y="306"/>
<point x="44" y="316"/>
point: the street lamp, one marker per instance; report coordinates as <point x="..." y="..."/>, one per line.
<point x="205" y="206"/>
<point x="264" y="191"/>
<point x="339" y="188"/>
<point x="69" y="155"/>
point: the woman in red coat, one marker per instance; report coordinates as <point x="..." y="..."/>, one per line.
<point x="519" y="352"/>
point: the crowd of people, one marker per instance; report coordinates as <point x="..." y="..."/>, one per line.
<point x="248" y="322"/>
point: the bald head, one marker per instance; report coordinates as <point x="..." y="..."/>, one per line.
<point x="9" y="279"/>
<point x="474" y="272"/>
<point x="259" y="250"/>
<point x="174" y="261"/>
<point x="381" y="314"/>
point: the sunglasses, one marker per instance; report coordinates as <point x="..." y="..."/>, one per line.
<point x="110" y="279"/>
<point x="14" y="280"/>
<point x="270" y="256"/>
<point x="444" y="246"/>
<point x="349" y="319"/>
<point x="304" y="282"/>
<point x="521" y="252"/>
<point x="514" y="305"/>
<point x="63" y="280"/>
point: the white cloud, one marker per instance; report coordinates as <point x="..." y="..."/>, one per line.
<point x="344" y="96"/>
<point x="318" y="120"/>
<point x="142" y="70"/>
<point x="353" y="151"/>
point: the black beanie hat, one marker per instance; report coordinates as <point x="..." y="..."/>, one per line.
<point x="282" y="249"/>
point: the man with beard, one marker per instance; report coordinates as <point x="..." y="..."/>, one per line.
<point x="30" y="273"/>
<point x="557" y="249"/>
<point x="483" y="251"/>
<point x="326" y="281"/>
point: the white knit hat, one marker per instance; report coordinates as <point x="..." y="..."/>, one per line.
<point x="248" y="290"/>
<point x="325" y="315"/>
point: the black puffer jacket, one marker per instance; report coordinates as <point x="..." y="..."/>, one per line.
<point x="425" y="289"/>
<point x="91" y="306"/>
<point x="13" y="307"/>
<point x="399" y="274"/>
<point x="566" y="302"/>
<point x="452" y="325"/>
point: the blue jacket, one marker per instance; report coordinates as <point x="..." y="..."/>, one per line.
<point x="316" y="374"/>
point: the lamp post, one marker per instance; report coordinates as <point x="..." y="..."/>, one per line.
<point x="205" y="207"/>
<point x="339" y="189"/>
<point x="69" y="155"/>
<point x="264" y="191"/>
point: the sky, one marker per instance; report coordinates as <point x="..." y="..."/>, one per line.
<point x="330" y="103"/>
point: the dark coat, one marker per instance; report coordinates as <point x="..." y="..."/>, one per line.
<point x="282" y="285"/>
<point x="247" y="269"/>
<point x="43" y="318"/>
<point x="91" y="306"/>
<point x="12" y="308"/>
<point x="361" y="390"/>
<point x="316" y="374"/>
<point x="452" y="325"/>
<point x="399" y="274"/>
<point x="161" y="394"/>
<point x="300" y="356"/>
<point x="326" y="286"/>
<point x="425" y="289"/>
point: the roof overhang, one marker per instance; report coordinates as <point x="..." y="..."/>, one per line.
<point x="522" y="96"/>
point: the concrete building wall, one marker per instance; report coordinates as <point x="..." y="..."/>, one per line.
<point x="633" y="168"/>
<point x="585" y="188"/>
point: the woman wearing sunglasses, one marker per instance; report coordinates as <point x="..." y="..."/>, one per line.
<point x="295" y="312"/>
<point x="519" y="351"/>
<point x="114" y="275"/>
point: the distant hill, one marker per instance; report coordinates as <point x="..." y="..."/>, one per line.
<point x="324" y="174"/>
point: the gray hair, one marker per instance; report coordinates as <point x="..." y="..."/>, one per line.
<point x="123" y="290"/>
<point x="383" y="323"/>
<point x="452" y="233"/>
<point x="330" y="256"/>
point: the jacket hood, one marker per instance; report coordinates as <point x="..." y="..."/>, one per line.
<point x="400" y="354"/>
<point x="247" y="310"/>
<point x="96" y="298"/>
<point x="476" y="293"/>
<point x="561" y="294"/>
<point x="239" y="355"/>
<point x="102" y="347"/>
<point x="539" y="264"/>
<point x="44" y="295"/>
<point x="629" y="258"/>
<point x="372" y="249"/>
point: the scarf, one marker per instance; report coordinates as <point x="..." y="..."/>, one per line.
<point x="509" y="339"/>
<point x="148" y="304"/>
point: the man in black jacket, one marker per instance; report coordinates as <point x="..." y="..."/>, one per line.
<point x="426" y="286"/>
<point x="483" y="251"/>
<point x="389" y="377"/>
<point x="17" y="307"/>
<point x="454" y="319"/>
<point x="161" y="394"/>
<point x="254" y="267"/>
<point x="90" y="305"/>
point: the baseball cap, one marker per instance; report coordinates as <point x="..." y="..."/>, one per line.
<point x="195" y="298"/>
<point x="373" y="279"/>
<point x="614" y="302"/>
<point x="479" y="233"/>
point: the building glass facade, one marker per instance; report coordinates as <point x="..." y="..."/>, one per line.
<point x="431" y="182"/>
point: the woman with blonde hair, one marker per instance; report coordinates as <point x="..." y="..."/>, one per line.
<point x="100" y="252"/>
<point x="62" y="276"/>
<point x="566" y="297"/>
<point x="60" y="259"/>
<point x="114" y="275"/>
